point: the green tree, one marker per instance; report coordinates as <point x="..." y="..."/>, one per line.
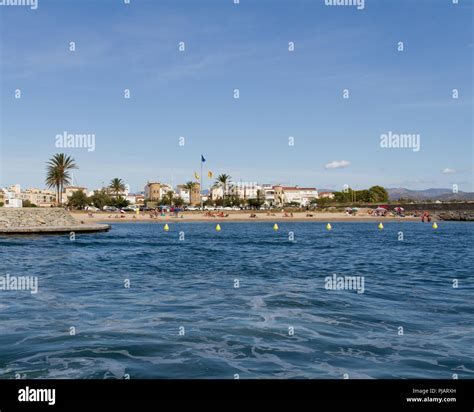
<point x="178" y="201"/>
<point x="223" y="180"/>
<point x="189" y="186"/>
<point x="117" y="186"/>
<point x="168" y="198"/>
<point x="58" y="173"/>
<point x="258" y="201"/>
<point x="100" y="199"/>
<point x="341" y="197"/>
<point x="79" y="200"/>
<point x="119" y="202"/>
<point x="292" y="204"/>
<point x="378" y="194"/>
<point x="232" y="201"/>
<point x="217" y="202"/>
<point x="363" y="196"/>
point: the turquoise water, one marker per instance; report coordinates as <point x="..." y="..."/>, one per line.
<point x="191" y="283"/>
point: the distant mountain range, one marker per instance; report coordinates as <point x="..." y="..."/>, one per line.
<point x="420" y="195"/>
<point x="431" y="194"/>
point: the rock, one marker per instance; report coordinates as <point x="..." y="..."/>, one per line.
<point x="467" y="216"/>
<point x="47" y="220"/>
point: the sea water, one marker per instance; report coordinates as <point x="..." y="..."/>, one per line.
<point x="244" y="302"/>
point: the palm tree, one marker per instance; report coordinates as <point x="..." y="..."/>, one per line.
<point x="168" y="198"/>
<point x="189" y="186"/>
<point x="57" y="173"/>
<point x="117" y="186"/>
<point x="223" y="180"/>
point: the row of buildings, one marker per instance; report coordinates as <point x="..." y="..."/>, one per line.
<point x="15" y="196"/>
<point x="267" y="194"/>
<point x="155" y="192"/>
<point x="270" y="195"/>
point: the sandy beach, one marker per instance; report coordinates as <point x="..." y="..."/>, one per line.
<point x="240" y="216"/>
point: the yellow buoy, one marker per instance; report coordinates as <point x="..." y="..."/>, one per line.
<point x="275" y="227"/>
<point x="166" y="227"/>
<point x="328" y="226"/>
<point x="218" y="227"/>
<point x="380" y="226"/>
<point x="435" y="225"/>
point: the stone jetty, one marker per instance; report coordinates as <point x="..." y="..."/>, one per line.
<point x="43" y="220"/>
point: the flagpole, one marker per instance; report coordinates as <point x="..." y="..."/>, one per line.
<point x="200" y="187"/>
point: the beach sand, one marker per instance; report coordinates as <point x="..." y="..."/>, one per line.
<point x="234" y="216"/>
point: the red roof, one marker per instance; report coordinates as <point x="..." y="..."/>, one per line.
<point x="288" y="188"/>
<point x="298" y="188"/>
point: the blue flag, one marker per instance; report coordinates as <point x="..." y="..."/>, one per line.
<point x="202" y="159"/>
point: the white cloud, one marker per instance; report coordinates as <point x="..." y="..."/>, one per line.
<point x="338" y="164"/>
<point x="449" y="171"/>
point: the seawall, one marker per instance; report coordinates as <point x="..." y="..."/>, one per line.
<point x="47" y="220"/>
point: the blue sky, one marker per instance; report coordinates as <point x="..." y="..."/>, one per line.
<point x="282" y="93"/>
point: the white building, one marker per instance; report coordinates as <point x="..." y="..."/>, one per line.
<point x="269" y="194"/>
<point x="307" y="194"/>
<point x="248" y="190"/>
<point x="294" y="194"/>
<point x="134" y="199"/>
<point x="9" y="202"/>
<point x="165" y="188"/>
<point x="217" y="192"/>
<point x="183" y="193"/>
<point x="12" y="198"/>
<point x="243" y="190"/>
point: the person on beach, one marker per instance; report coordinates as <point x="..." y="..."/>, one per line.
<point x="426" y="215"/>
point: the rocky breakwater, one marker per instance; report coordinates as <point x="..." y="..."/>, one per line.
<point x="461" y="216"/>
<point x="47" y="220"/>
